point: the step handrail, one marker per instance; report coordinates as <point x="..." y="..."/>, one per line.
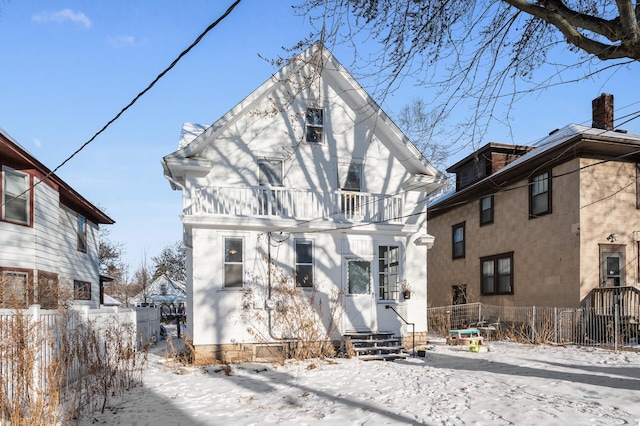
<point x="413" y="329"/>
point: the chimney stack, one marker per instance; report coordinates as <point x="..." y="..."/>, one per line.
<point x="602" y="112"/>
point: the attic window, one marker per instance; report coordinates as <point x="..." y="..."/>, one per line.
<point x="313" y="125"/>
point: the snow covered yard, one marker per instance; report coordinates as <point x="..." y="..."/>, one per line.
<point x="513" y="384"/>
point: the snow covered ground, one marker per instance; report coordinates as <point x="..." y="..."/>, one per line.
<point x="512" y="385"/>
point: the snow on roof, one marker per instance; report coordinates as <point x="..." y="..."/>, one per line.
<point x="110" y="301"/>
<point x="189" y="132"/>
<point x="559" y="137"/>
<point x="162" y="289"/>
<point x="545" y="144"/>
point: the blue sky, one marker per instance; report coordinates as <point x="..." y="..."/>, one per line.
<point x="68" y="67"/>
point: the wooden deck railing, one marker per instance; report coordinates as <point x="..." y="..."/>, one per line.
<point x="604" y="299"/>
<point x="288" y="203"/>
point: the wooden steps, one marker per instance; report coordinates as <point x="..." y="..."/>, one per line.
<point x="375" y="346"/>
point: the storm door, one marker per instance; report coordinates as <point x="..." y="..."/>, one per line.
<point x="612" y="269"/>
<point x="359" y="296"/>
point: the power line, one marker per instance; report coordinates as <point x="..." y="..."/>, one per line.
<point x="158" y="77"/>
<point x="136" y="98"/>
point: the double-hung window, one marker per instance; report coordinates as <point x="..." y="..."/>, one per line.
<point x="15" y="196"/>
<point x="497" y="274"/>
<point x="233" y="262"/>
<point x="540" y="195"/>
<point x="81" y="231"/>
<point x="486" y="210"/>
<point x="314" y="122"/>
<point x="388" y="270"/>
<point x="457" y="234"/>
<point x="304" y="263"/>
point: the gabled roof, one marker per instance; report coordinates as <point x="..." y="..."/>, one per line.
<point x="194" y="139"/>
<point x="174" y="291"/>
<point x="559" y="146"/>
<point x="17" y="157"/>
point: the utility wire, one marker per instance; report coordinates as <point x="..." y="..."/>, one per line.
<point x="138" y="96"/>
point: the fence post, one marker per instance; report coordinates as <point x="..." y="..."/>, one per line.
<point x="555" y="325"/>
<point x="533" y="325"/>
<point x="34" y="318"/>
<point x="616" y="325"/>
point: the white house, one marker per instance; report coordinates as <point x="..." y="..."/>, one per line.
<point x="49" y="235"/>
<point x="165" y="293"/>
<point x="307" y="174"/>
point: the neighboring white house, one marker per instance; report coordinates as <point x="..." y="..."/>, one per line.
<point x="165" y="293"/>
<point x="309" y="175"/>
<point x="49" y="235"/>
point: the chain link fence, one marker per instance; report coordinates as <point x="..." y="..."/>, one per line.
<point x="614" y="327"/>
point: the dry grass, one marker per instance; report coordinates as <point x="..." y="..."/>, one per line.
<point x="53" y="374"/>
<point x="304" y="320"/>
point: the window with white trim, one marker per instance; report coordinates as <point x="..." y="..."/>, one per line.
<point x="304" y="263"/>
<point x="314" y="123"/>
<point x="388" y="271"/>
<point x="15" y="196"/>
<point x="233" y="262"/>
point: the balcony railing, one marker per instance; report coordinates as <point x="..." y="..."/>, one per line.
<point x="287" y="203"/>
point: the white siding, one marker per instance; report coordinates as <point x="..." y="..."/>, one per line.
<point x="74" y="264"/>
<point x="353" y="132"/>
<point x="47" y="220"/>
<point x="219" y="317"/>
<point x="16" y="246"/>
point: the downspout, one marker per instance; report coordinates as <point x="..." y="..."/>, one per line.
<point x="269" y="305"/>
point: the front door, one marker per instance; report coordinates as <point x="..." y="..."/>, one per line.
<point x="359" y="297"/>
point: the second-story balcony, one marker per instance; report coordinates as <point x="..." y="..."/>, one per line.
<point x="287" y="203"/>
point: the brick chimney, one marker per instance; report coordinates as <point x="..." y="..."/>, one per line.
<point x="602" y="112"/>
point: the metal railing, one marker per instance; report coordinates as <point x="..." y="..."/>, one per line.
<point x="586" y="326"/>
<point x="413" y="329"/>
